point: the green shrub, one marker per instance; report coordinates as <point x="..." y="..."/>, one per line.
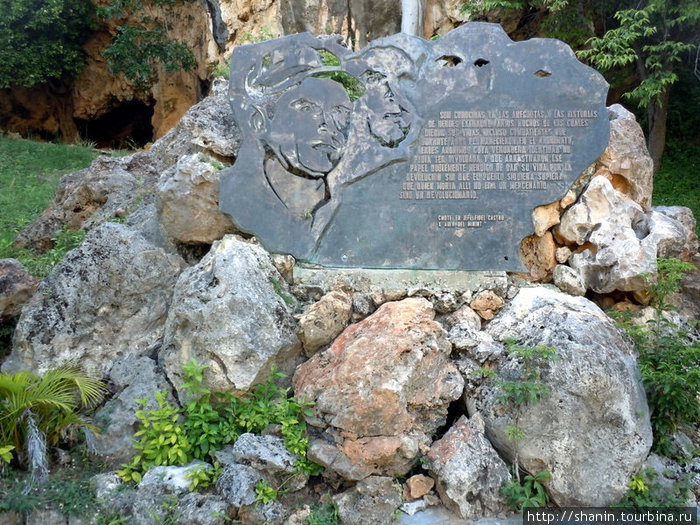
<point x="668" y="358"/>
<point x="208" y="421"/>
<point x="35" y="410"/>
<point x="644" y="490"/>
<point x="531" y="493"/>
<point x="324" y="514"/>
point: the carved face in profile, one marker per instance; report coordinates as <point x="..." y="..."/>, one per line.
<point x="385" y="114"/>
<point x="309" y="125"/>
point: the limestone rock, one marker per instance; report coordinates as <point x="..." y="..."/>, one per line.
<point x="383" y="386"/>
<point x="16" y="288"/>
<point x="593" y="432"/>
<point x="207" y="127"/>
<point x="108" y="298"/>
<point x="172" y="476"/>
<point x="418" y="486"/>
<point x="619" y="243"/>
<point x="105" y="483"/>
<point x="269" y="455"/>
<point x="468" y="470"/>
<point x="236" y="484"/>
<point x="135" y="377"/>
<point x="373" y="500"/>
<point x="486" y="304"/>
<point x="270" y="513"/>
<point x="188" y="201"/>
<point x="324" y="320"/>
<point x="333" y="457"/>
<point x="108" y="188"/>
<point x="626" y="161"/>
<point x="544" y="217"/>
<point x="227" y="313"/>
<point x="684" y="216"/>
<point x="568" y="280"/>
<point x="539" y="255"/>
<point x="200" y="509"/>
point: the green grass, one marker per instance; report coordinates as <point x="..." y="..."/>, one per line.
<point x="29" y="172"/>
<point x="677" y="183"/>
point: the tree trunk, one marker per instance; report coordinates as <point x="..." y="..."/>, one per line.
<point x="658" y="115"/>
<point x="412" y="17"/>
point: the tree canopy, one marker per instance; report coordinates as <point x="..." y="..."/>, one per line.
<point x="41" y="40"/>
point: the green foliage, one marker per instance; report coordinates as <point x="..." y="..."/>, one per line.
<point x="669" y="361"/>
<point x="54" y="401"/>
<point x="675" y="183"/>
<point x="207" y="422"/>
<point x="41" y="40"/>
<point x="531" y="493"/>
<point x="264" y="33"/>
<point x="29" y="172"/>
<point x="324" y="514"/>
<point x="352" y="85"/>
<point x="162" y="439"/>
<point x="669" y="273"/>
<point x="644" y="490"/>
<point x="204" y="476"/>
<point x="141" y="47"/>
<point x="265" y="493"/>
<point x="222" y="70"/>
<point x="651" y="35"/>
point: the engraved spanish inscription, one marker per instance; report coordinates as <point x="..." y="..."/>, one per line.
<point x="408" y="153"/>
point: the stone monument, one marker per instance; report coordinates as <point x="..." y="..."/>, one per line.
<point x="408" y="153"/>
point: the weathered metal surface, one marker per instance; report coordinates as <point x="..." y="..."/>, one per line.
<point x="437" y="165"/>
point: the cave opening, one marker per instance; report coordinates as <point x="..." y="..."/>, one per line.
<point x="125" y="126"/>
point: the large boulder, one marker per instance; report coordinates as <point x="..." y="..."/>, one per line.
<point x="109" y="187"/>
<point x="16" y="288"/>
<point x="188" y="201"/>
<point x="108" y="298"/>
<point x="383" y="387"/>
<point x="618" y="242"/>
<point x="469" y="472"/>
<point x="373" y="500"/>
<point x="626" y="161"/>
<point x="593" y="433"/>
<point x="229" y="312"/>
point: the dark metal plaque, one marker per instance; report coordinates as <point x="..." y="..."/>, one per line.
<point x="437" y="165"/>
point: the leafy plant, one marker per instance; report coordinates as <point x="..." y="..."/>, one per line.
<point x="265" y="493"/>
<point x="324" y="514"/>
<point x="139" y="48"/>
<point x="669" y="273"/>
<point x="525" y="391"/>
<point x="264" y="33"/>
<point x="353" y="86"/>
<point x="203" y="477"/>
<point x="41" y="40"/>
<point x="531" y="493"/>
<point x="39" y="409"/>
<point x="162" y="439"/>
<point x="644" y="490"/>
<point x="668" y="358"/>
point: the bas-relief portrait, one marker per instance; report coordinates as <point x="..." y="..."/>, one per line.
<point x="323" y="155"/>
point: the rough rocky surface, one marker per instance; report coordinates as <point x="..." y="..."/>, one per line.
<point x="227" y="313"/>
<point x="324" y="320"/>
<point x="207" y="127"/>
<point x="626" y="161"/>
<point x="418" y="486"/>
<point x="107" y="299"/>
<point x="618" y="242"/>
<point x="108" y="188"/>
<point x="568" y="280"/>
<point x="684" y="216"/>
<point x="538" y="254"/>
<point x="236" y="484"/>
<point x="173" y="477"/>
<point x="383" y="386"/>
<point x="593" y="432"/>
<point x="134" y="377"/>
<point x="373" y="500"/>
<point x="16" y="288"/>
<point x="200" y="509"/>
<point x="486" y="304"/>
<point x="468" y="470"/>
<point x="269" y="455"/>
<point x="188" y="201"/>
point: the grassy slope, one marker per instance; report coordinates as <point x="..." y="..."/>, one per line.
<point x="29" y="172"/>
<point x="677" y="183"/>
